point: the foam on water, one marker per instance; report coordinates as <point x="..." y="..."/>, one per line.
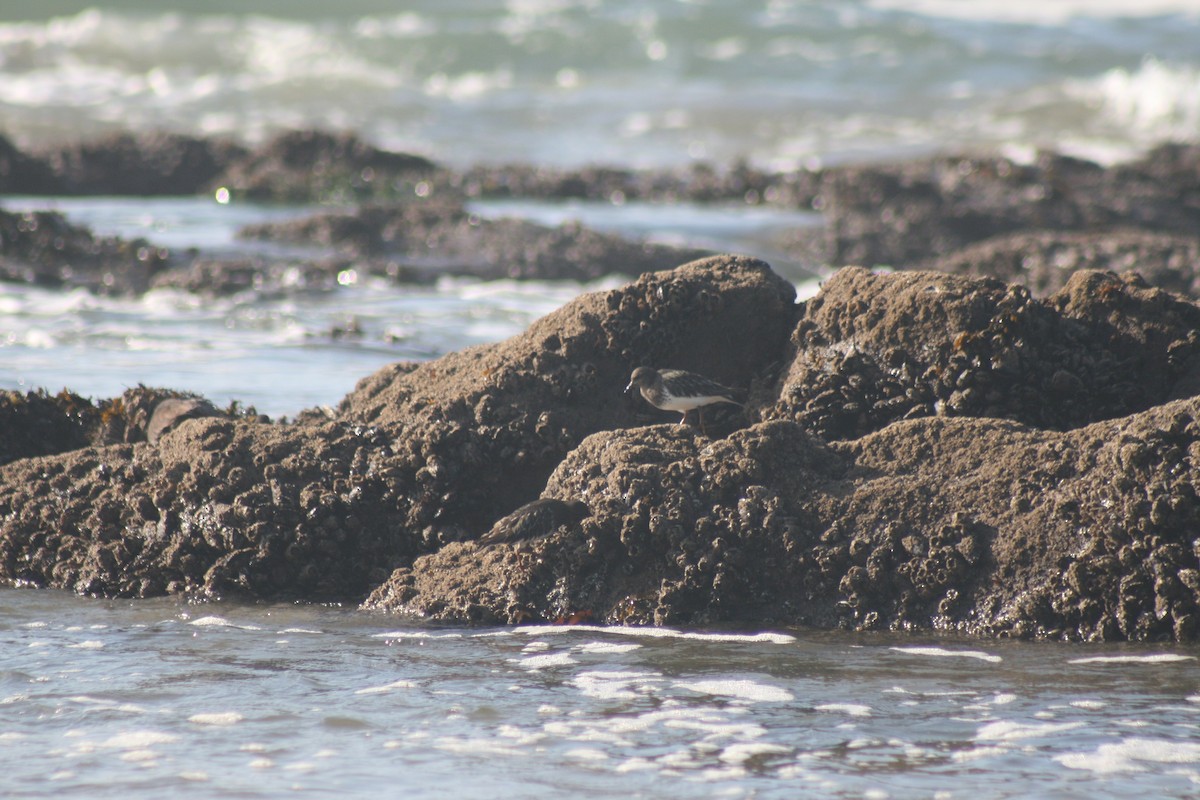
<point x="644" y="85"/>
<point x="657" y="633"/>
<point x="607" y="647"/>
<point x="354" y="706"/>
<point x="750" y="691"/>
<point x="1135" y="755"/>
<point x="390" y="687"/>
<point x="1153" y="658"/>
<point x="849" y="709"/>
<point x="1156" y="101"/>
<point x="415" y="634"/>
<point x="945" y="653"/>
<point x="546" y="661"/>
<point x="616" y="684"/>
<point x="1039" y="12"/>
<point x="1009" y="731"/>
<point x="213" y="621"/>
<point x="217" y="718"/>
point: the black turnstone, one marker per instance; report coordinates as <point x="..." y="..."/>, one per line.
<point x="676" y="390"/>
<point x="539" y="518"/>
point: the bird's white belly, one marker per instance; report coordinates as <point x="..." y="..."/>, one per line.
<point x="688" y="403"/>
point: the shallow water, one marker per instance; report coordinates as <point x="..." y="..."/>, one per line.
<point x="140" y="699"/>
<point x="282" y="353"/>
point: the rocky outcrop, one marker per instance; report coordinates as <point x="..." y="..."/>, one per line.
<point x="979" y="526"/>
<point x="918" y="451"/>
<point x="44" y="249"/>
<point x="1043" y="261"/>
<point x="983" y="215"/>
<point x="139" y="165"/>
<point x="295" y="165"/>
<point x="871" y="349"/>
<point x="417" y="456"/>
<point x="1057" y="526"/>
<point x="315" y="165"/>
<point x="440" y="237"/>
<point x="910" y="214"/>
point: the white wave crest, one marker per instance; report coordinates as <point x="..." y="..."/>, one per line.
<point x="1157" y="100"/>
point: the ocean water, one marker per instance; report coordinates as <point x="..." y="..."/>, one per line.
<point x="154" y="698"/>
<point x="630" y="82"/>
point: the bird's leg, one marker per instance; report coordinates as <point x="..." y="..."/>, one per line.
<point x="684" y="420"/>
<point x="700" y="416"/>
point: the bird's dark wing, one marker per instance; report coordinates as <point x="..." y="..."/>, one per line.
<point x="689" y="384"/>
<point x="535" y="519"/>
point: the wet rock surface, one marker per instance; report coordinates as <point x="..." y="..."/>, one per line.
<point x="1033" y="223"/>
<point x="308" y="165"/>
<point x="910" y="214"/>
<point x="418" y="456"/>
<point x="1076" y="521"/>
<point x="924" y="450"/>
<point x="873" y="349"/>
<point x="1036" y="534"/>
<point x="127" y="164"/>
<point x="442" y="237"/>
<point x="44" y="249"/>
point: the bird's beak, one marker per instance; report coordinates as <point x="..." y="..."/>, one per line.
<point x="629" y="388"/>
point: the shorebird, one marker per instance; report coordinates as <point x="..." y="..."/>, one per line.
<point x="539" y="518"/>
<point x="676" y="390"/>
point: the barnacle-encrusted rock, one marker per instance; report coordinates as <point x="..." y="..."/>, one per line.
<point x="924" y="452"/>
<point x="1043" y="261"/>
<point x="417" y="456"/>
<point x="980" y="526"/>
<point x="39" y="424"/>
<point x="872" y="349"/>
<point x="951" y="520"/>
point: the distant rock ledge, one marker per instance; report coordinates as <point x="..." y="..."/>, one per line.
<point x="918" y="451"/>
<point x="404" y="218"/>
